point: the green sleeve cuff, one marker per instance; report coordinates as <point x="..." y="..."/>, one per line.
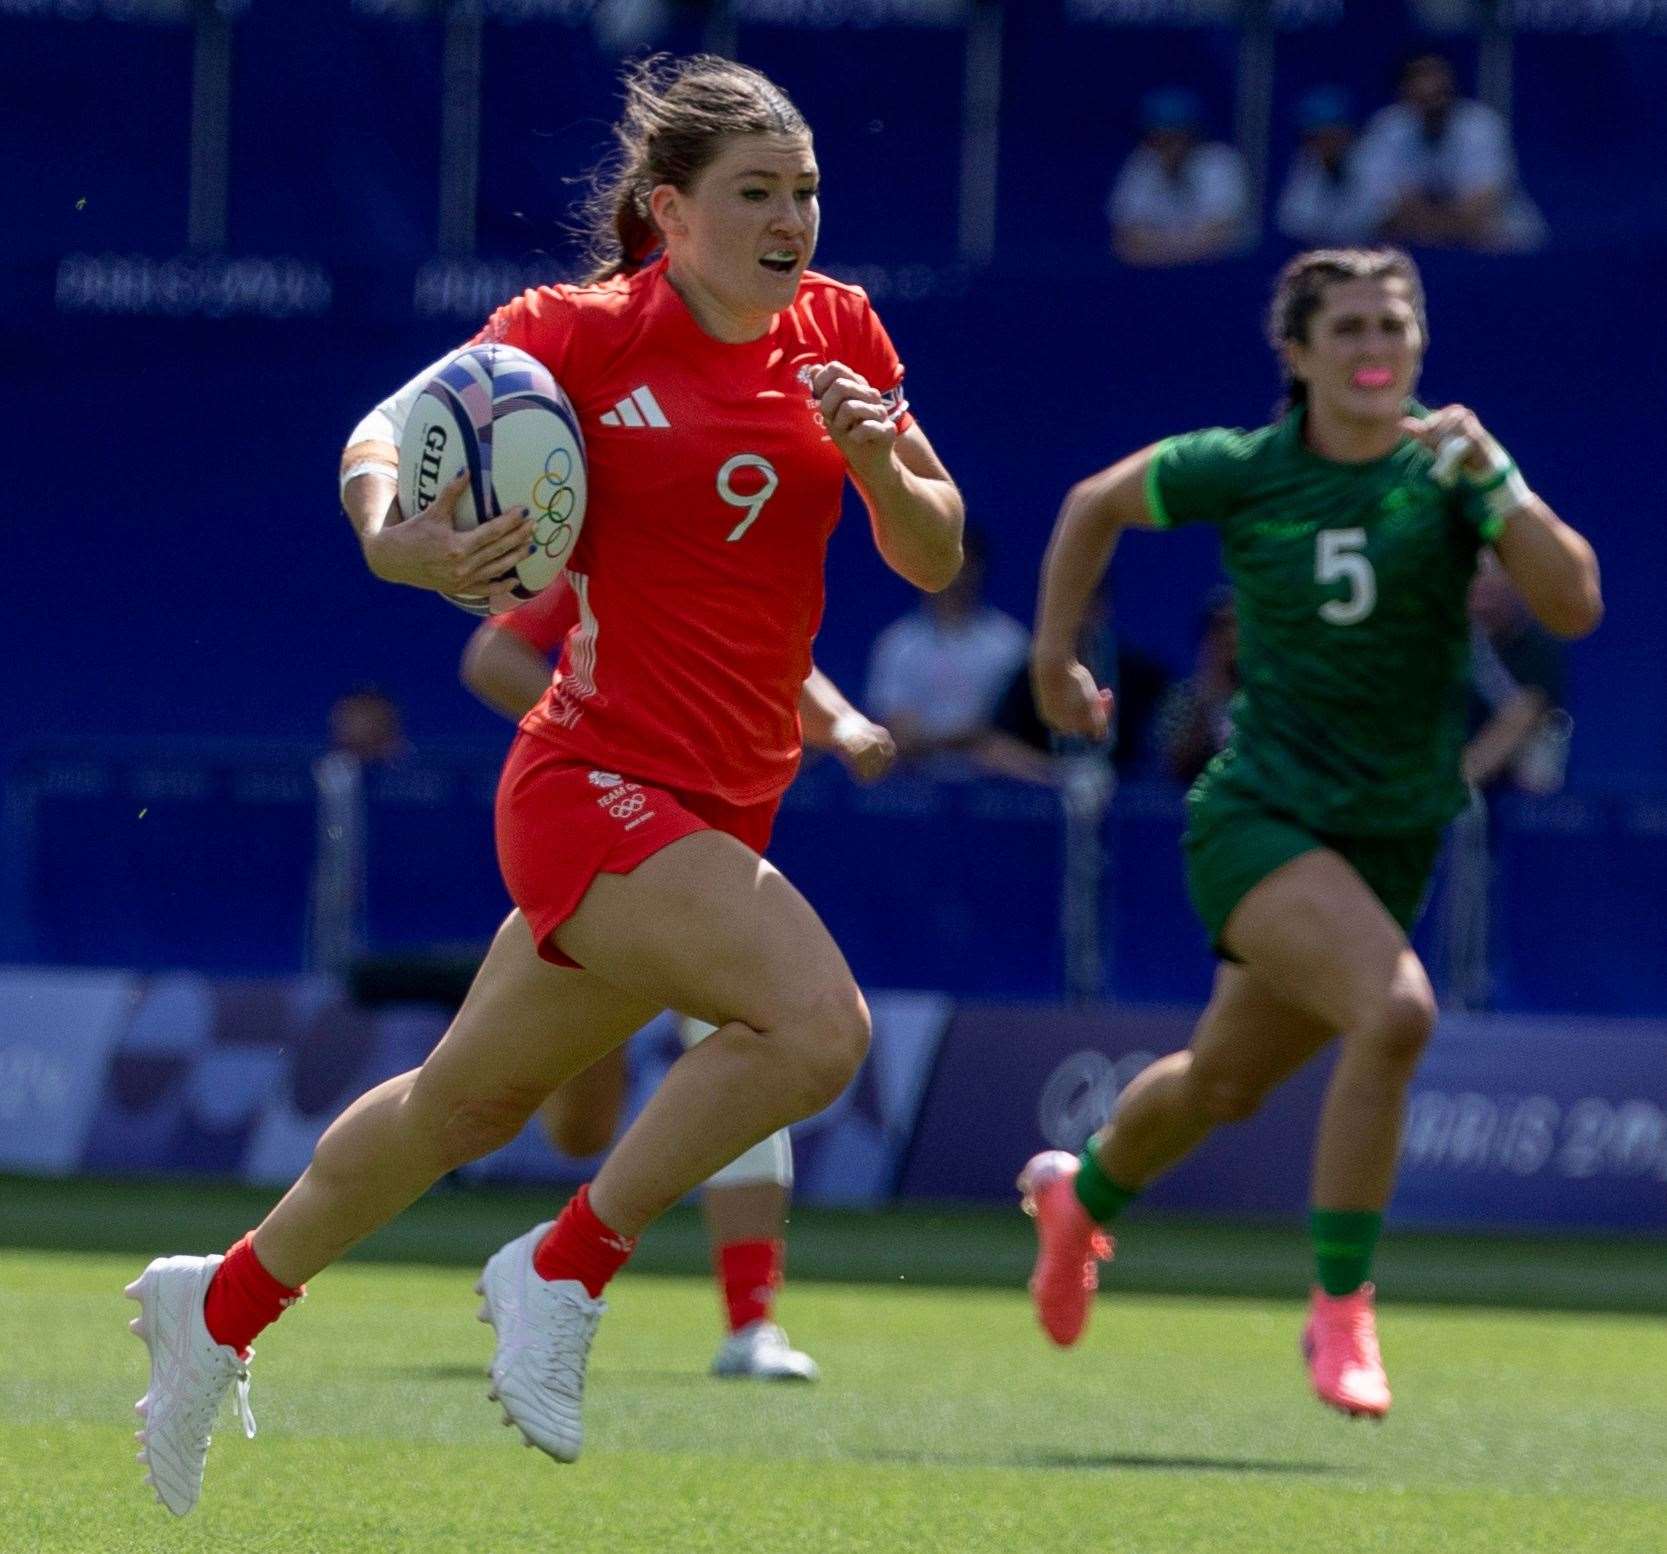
<point x="1155" y="510"/>
<point x="1490" y="528"/>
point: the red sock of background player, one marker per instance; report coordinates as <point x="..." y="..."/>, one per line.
<point x="750" y="1273"/>
<point x="579" y="1246"/>
<point x="243" y="1298"/>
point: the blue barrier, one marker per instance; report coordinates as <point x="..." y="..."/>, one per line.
<point x="164" y="856"/>
<point x="115" y="1073"/>
<point x="1523" y="1123"/>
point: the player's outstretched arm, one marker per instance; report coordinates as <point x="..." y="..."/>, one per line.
<point x="915" y="507"/>
<point x="506" y="673"/>
<point x="830" y="722"/>
<point x="1554" y="568"/>
<point x="1095" y="512"/>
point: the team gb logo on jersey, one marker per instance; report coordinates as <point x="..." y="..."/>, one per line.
<point x="606" y="779"/>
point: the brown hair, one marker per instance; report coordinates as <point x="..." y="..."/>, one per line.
<point x="677" y="112"/>
<point x="1301" y="288"/>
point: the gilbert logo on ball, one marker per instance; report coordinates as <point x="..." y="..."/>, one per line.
<point x="428" y="468"/>
<point x="495" y="413"/>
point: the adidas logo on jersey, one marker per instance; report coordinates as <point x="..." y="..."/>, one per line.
<point x="638" y="408"/>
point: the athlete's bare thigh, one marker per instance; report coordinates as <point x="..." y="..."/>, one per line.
<point x="1251" y="1038"/>
<point x="1313" y="934"/>
<point x="707" y="927"/>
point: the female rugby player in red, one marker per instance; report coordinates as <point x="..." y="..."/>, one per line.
<point x="639" y="794"/>
<point x="507" y="664"/>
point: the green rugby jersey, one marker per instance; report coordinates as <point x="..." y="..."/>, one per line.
<point x="1354" y="645"/>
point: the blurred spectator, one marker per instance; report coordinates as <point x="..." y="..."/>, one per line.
<point x="935" y="676"/>
<point x="1179" y="198"/>
<point x="1324" y="202"/>
<point x="1195" y="720"/>
<point x="365" y="730"/>
<point x="1138" y="682"/>
<point x="365" y="724"/>
<point x="1520" y="733"/>
<point x="1440" y="170"/>
<point x="1521" y="729"/>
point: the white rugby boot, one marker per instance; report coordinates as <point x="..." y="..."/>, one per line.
<point x="544" y="1329"/>
<point x="761" y="1350"/>
<point x="189" y="1377"/>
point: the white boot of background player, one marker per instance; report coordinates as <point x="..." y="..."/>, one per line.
<point x="761" y="1351"/>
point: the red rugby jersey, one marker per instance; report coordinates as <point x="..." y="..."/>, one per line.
<point x="713" y="490"/>
<point x="544" y="621"/>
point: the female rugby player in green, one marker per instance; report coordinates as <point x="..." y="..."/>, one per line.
<point x="1350" y="529"/>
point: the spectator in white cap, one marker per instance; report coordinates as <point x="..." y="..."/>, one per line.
<point x="1179" y="199"/>
<point x="1324" y="202"/>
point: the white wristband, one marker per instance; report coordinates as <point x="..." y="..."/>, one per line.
<point x="368" y="466"/>
<point x="1503" y="491"/>
<point x="1511" y="495"/>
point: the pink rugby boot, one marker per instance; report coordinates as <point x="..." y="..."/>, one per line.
<point x="1069" y="1245"/>
<point x="1340" y="1344"/>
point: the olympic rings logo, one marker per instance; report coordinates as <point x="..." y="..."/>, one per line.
<point x="554" y="500"/>
<point x="628" y="806"/>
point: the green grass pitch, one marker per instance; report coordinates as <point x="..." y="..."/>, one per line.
<point x="945" y="1423"/>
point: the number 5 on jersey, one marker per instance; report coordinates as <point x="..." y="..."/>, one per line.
<point x="753" y="502"/>
<point x="1338" y="557"/>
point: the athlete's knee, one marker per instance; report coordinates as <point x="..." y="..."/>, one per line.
<point x="1398" y="1028"/>
<point x="473" y="1124"/>
<point x="829" y="1041"/>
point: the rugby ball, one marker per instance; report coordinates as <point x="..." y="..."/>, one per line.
<point x="496" y="412"/>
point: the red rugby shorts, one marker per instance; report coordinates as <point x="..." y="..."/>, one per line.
<point x="562" y="822"/>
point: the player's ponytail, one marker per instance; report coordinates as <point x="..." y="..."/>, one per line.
<point x="677" y="113"/>
<point x="634" y="233"/>
<point x="1301" y="288"/>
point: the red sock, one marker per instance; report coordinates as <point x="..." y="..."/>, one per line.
<point x="243" y="1298"/>
<point x="579" y="1246"/>
<point x="750" y="1272"/>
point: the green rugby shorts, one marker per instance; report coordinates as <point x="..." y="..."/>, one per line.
<point x="1235" y="839"/>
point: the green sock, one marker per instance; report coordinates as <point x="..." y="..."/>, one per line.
<point x="1344" y="1240"/>
<point x="1103" y="1198"/>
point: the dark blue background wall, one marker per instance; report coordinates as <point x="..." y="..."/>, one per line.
<point x="185" y="570"/>
<point x="176" y="563"/>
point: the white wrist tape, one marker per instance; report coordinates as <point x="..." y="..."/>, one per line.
<point x="1503" y="490"/>
<point x="367" y="466"/>
<point x="386" y="423"/>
